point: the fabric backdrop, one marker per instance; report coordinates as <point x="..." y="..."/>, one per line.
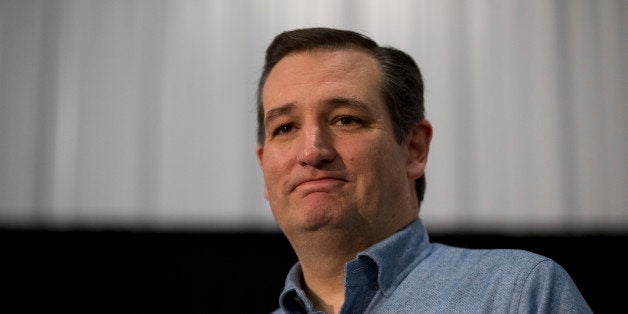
<point x="141" y="114"/>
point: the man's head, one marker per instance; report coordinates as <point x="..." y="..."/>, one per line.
<point x="401" y="84"/>
<point x="341" y="120"/>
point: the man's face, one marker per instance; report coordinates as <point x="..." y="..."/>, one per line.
<point x="330" y="158"/>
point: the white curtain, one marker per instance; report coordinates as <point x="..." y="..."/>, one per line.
<point x="141" y="114"/>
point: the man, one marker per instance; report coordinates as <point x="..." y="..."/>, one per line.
<point x="343" y="144"/>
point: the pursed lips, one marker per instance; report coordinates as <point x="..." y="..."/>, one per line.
<point x="314" y="179"/>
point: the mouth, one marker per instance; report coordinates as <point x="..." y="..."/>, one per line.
<point x="318" y="184"/>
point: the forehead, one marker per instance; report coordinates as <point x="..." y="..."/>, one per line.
<point x="322" y="73"/>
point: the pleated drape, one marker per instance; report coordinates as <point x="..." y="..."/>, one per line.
<point x="142" y="113"/>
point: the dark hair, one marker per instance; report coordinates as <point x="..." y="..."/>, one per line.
<point x="402" y="84"/>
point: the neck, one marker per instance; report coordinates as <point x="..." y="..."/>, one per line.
<point x="323" y="273"/>
<point x="323" y="255"/>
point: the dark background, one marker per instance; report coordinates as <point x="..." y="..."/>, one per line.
<point x="110" y="271"/>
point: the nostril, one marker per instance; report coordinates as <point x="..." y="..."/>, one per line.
<point x="316" y="156"/>
<point x="317" y="149"/>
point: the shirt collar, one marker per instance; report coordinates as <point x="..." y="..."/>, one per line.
<point x="395" y="257"/>
<point x="293" y="298"/>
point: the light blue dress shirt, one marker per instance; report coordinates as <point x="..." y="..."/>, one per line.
<point x="406" y="273"/>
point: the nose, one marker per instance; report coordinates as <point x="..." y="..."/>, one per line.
<point x="318" y="149"/>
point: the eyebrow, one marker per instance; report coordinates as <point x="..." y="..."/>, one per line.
<point x="353" y="103"/>
<point x="275" y="113"/>
<point x="333" y="103"/>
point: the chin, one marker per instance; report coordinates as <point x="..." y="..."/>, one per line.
<point x="314" y="212"/>
<point x="316" y="217"/>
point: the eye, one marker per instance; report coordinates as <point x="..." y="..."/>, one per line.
<point x="347" y="120"/>
<point x="284" y="129"/>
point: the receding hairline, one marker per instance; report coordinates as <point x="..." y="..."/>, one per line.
<point x="349" y="100"/>
<point x="323" y="49"/>
<point x="320" y="49"/>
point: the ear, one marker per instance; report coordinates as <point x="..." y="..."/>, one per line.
<point x="260" y="154"/>
<point x="418" y="143"/>
<point x="260" y="160"/>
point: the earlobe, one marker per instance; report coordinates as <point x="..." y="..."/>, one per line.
<point x="418" y="143"/>
<point x="260" y="153"/>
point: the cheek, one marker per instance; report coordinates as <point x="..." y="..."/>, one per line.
<point x="362" y="159"/>
<point x="271" y="172"/>
<point x="274" y="167"/>
<point x="384" y="162"/>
